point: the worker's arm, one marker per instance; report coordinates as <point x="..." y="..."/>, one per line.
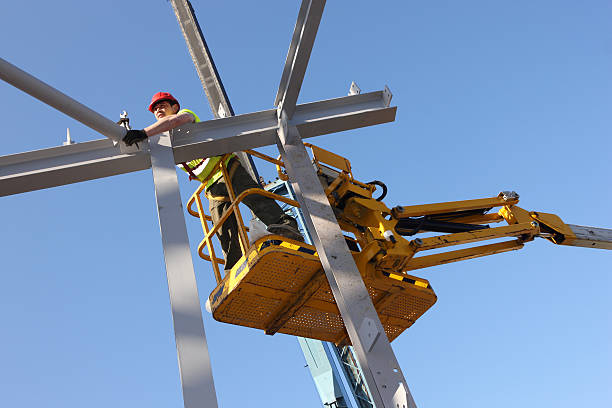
<point x="169" y="123"/>
<point x="162" y="125"/>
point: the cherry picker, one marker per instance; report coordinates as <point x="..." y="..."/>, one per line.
<point x="279" y="285"/>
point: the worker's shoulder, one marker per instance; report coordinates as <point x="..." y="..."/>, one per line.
<point x="196" y="119"/>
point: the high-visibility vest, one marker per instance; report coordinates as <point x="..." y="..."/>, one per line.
<point x="200" y="169"/>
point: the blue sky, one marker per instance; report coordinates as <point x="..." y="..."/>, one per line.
<point x="491" y="96"/>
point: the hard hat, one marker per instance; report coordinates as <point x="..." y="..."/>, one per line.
<point x="163" y="96"/>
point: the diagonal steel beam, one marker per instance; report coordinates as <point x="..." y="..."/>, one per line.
<point x="60" y="101"/>
<point x="207" y="70"/>
<point x="298" y="56"/>
<point x="202" y="59"/>
<point x="380" y="367"/>
<point x="68" y="164"/>
<point x="295" y="39"/>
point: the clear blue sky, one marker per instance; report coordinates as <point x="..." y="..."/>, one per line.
<point x="491" y="96"/>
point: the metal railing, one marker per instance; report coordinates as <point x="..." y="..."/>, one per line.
<point x="210" y="231"/>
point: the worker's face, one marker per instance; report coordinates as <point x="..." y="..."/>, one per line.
<point x="163" y="109"/>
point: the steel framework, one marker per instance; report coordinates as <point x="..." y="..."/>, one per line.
<point x="284" y="126"/>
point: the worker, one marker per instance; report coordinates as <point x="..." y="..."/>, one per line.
<point x="169" y="115"/>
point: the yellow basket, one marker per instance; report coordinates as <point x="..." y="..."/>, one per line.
<point x="279" y="286"/>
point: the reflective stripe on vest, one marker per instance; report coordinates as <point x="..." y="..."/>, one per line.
<point x="200" y="169"/>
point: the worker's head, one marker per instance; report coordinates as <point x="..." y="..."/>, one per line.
<point x="164" y="104"/>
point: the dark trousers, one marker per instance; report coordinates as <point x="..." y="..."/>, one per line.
<point x="264" y="208"/>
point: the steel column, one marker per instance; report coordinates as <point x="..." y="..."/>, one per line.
<point x="376" y="358"/>
<point x="323" y="358"/>
<point x="192" y="349"/>
<point x="60" y="101"/>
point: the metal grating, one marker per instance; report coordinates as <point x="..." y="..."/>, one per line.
<point x="314" y="323"/>
<point x="271" y="288"/>
<point x="408" y="307"/>
<point x="249" y="309"/>
<point x="284" y="272"/>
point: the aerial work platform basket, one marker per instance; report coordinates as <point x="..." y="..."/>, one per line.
<point x="280" y="286"/>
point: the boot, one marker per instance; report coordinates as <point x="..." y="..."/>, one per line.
<point x="286" y="227"/>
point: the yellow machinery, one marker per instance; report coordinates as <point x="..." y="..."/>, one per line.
<point x="279" y="285"/>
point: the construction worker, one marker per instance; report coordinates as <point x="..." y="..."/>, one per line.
<point x="169" y="115"/>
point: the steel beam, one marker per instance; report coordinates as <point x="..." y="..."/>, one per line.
<point x="207" y="71"/>
<point x="590" y="237"/>
<point x="60" y="101"/>
<point x="380" y="367"/>
<point x="192" y="349"/>
<point x="300" y="48"/>
<point x="258" y="129"/>
<point x="57" y="166"/>
<point x="68" y="164"/>
<point x="295" y="40"/>
<point x="202" y="59"/>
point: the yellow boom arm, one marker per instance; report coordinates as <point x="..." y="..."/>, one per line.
<point x="378" y="233"/>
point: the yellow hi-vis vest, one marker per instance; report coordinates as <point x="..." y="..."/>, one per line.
<point x="200" y="169"/>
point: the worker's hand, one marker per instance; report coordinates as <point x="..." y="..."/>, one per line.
<point x="134" y="136"/>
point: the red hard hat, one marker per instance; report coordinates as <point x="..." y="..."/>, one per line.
<point x="163" y="96"/>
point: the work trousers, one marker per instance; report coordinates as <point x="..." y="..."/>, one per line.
<point x="264" y="208"/>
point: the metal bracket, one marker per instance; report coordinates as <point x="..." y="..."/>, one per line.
<point x="354" y="89"/>
<point x="387" y="95"/>
<point x="221" y="111"/>
<point x="68" y="141"/>
<point x="399" y="398"/>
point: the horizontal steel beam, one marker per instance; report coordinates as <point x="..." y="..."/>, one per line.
<point x="259" y="129"/>
<point x="298" y="56"/>
<point x="60" y="101"/>
<point x="68" y="164"/>
<point x="590" y="237"/>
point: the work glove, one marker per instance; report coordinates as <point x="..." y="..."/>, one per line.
<point x="134" y="136"/>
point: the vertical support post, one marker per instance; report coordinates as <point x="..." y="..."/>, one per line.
<point x="192" y="349"/>
<point x="380" y="367"/>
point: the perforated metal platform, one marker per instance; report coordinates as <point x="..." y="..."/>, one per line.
<point x="280" y="286"/>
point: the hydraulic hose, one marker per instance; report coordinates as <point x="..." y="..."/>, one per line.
<point x="381" y="185"/>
